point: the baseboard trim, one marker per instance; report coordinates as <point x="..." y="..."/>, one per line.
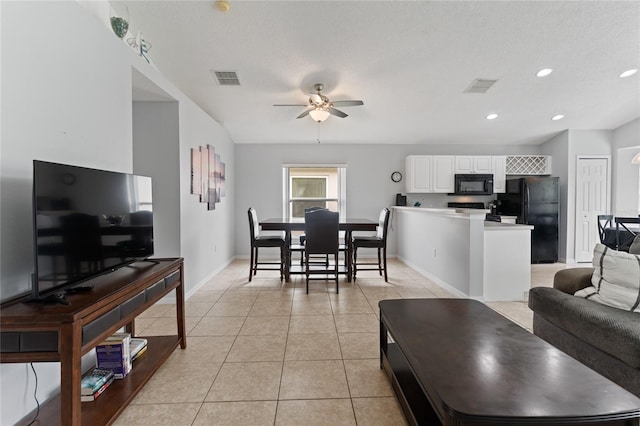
<point x="437" y="280"/>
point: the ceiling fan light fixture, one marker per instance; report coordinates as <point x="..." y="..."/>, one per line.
<point x="319" y="114"/>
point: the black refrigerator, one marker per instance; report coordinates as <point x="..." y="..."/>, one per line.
<point x="535" y="201"/>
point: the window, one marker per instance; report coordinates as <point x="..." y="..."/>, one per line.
<point x="313" y="186"/>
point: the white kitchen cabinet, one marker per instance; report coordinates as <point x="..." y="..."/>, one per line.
<point x="464" y="164"/>
<point x="468" y="164"/>
<point x="429" y="173"/>
<point x="499" y="170"/>
<point x="418" y="173"/>
<point x="442" y="176"/>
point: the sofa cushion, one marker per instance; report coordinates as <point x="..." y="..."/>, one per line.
<point x="634" y="248"/>
<point x="616" y="279"/>
<point x="611" y="330"/>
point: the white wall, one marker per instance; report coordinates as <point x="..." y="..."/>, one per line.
<point x="156" y="154"/>
<point x="52" y="110"/>
<point x="581" y="143"/>
<point x="67" y="97"/>
<point x="565" y="149"/>
<point x="558" y="148"/>
<point x="626" y="143"/>
<point x="369" y="185"/>
<point x="207" y="240"/>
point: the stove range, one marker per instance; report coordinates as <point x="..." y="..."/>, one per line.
<point x="466" y="205"/>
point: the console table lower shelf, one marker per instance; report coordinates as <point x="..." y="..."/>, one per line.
<point x="456" y="362"/>
<point x="32" y="332"/>
<point x="108" y="406"/>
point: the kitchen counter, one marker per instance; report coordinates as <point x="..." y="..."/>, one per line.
<point x="461" y="213"/>
<point x="460" y="251"/>
<point x="504" y="226"/>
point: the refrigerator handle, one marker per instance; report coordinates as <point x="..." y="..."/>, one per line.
<point x="526" y="205"/>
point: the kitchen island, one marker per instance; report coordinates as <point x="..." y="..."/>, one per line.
<point x="460" y="251"/>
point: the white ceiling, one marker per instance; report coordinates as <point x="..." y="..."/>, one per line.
<point x="409" y="61"/>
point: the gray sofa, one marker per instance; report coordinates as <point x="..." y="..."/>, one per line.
<point x="605" y="339"/>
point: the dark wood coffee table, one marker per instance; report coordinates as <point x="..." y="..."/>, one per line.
<point x="457" y="362"/>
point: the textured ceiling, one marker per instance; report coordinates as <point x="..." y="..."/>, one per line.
<point x="409" y="61"/>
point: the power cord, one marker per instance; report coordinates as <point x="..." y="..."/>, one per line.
<point x="35" y="396"/>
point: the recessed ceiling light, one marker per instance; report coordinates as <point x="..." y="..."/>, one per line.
<point x="492" y="116"/>
<point x="545" y="72"/>
<point x="557" y="117"/>
<point x="629" y="73"/>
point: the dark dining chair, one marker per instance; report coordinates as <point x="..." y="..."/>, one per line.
<point x="605" y="221"/>
<point x="321" y="230"/>
<point x="258" y="240"/>
<point x="627" y="228"/>
<point x="298" y="244"/>
<point x="379" y="242"/>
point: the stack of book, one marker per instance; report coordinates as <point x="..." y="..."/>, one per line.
<point x="94" y="383"/>
<point x="114" y="354"/>
<point x="137" y="347"/>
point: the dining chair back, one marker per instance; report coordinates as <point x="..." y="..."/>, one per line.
<point x="321" y="230"/>
<point x="257" y="241"/>
<point x="604" y="221"/>
<point x="627" y="228"/>
<point x="379" y="242"/>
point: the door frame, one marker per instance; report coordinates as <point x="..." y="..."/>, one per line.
<point x="576" y="221"/>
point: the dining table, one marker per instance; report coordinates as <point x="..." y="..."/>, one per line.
<point x="288" y="225"/>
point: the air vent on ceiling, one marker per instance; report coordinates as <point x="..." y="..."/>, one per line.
<point x="480" y="85"/>
<point x="226" y="78"/>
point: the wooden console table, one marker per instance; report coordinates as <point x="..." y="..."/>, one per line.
<point x="457" y="362"/>
<point x="33" y="332"/>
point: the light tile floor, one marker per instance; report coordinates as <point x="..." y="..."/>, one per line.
<point x="264" y="352"/>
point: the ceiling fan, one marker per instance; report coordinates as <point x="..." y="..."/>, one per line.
<point x="320" y="107"/>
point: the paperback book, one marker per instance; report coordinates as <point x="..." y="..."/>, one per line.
<point x="94" y="380"/>
<point x="137" y="347"/>
<point x="140" y="353"/>
<point x="98" y="392"/>
<point x="114" y="354"/>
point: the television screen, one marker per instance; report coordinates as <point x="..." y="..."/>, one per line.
<point x="87" y="222"/>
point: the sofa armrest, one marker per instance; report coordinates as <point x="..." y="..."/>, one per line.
<point x="571" y="280"/>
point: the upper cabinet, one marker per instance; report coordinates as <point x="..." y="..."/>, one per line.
<point x="442" y="173"/>
<point x="468" y="164"/>
<point x="418" y="173"/>
<point x="435" y="173"/>
<point x="499" y="168"/>
<point x="528" y="165"/>
<point x="429" y="173"/>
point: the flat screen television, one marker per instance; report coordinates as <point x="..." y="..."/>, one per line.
<point x="86" y="222"/>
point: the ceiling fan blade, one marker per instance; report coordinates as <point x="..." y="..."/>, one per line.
<point x="296" y="105"/>
<point x="337" y="113"/>
<point x="304" y="113"/>
<point x="347" y="103"/>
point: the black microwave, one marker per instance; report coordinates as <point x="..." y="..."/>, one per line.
<point x="473" y="184"/>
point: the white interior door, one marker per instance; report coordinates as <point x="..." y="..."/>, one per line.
<point x="592" y="199"/>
